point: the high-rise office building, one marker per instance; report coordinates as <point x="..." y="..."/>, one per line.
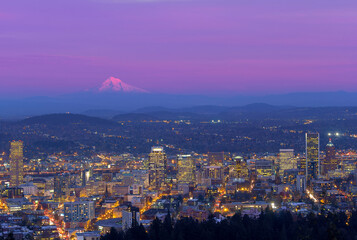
<point x="301" y="163"/>
<point x="286" y="160"/>
<point x="241" y="168"/>
<point x="16" y="163"/>
<point x="84" y="177"/>
<point x="157" y="167"/>
<point x="61" y="186"/>
<point x="300" y="183"/>
<point x="312" y="156"/>
<point x="330" y="162"/>
<point x="217" y="158"/>
<point x="214" y="173"/>
<point x="186" y="169"/>
<point x="264" y="167"/>
<point x="86" y="173"/>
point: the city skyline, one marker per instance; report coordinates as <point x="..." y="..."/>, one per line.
<point x="175" y="47"/>
<point x="178" y="120"/>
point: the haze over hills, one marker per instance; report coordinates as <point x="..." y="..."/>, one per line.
<point x="66" y="119"/>
<point x="114" y="96"/>
<point x="258" y="111"/>
<point x="205" y="113"/>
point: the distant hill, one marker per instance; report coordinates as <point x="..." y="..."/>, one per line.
<point x="205" y="109"/>
<point x="134" y="117"/>
<point x="66" y="119"/>
<point x="257" y="111"/>
<point x="155" y="109"/>
<point x="115" y="97"/>
<point x="102" y="113"/>
<point x="288" y="113"/>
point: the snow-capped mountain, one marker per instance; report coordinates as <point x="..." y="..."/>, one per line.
<point x="117" y="85"/>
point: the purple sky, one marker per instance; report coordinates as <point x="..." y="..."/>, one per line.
<point x="178" y="46"/>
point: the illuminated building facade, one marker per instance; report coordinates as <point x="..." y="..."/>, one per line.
<point x="16" y="163"/>
<point x="242" y="168"/>
<point x="157" y="167"/>
<point x="61" y="186"/>
<point x="286" y="160"/>
<point x="264" y="168"/>
<point x="186" y="169"/>
<point x="290" y="176"/>
<point x="107" y="176"/>
<point x="79" y="211"/>
<point x="216" y="158"/>
<point x="330" y="162"/>
<point x="13" y="192"/>
<point x="85" y="175"/>
<point x="348" y="166"/>
<point x="214" y="173"/>
<point x="312" y="156"/>
<point x="302" y="165"/>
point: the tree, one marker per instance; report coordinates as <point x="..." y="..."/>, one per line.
<point x="167" y="227"/>
<point x="113" y="235"/>
<point x="154" y="231"/>
<point x="136" y="233"/>
<point x="10" y="236"/>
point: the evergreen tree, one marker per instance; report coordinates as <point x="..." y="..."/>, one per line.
<point x="10" y="236"/>
<point x="154" y="232"/>
<point x="136" y="233"/>
<point x="167" y="227"/>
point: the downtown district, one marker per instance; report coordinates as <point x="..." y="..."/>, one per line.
<point x="76" y="197"/>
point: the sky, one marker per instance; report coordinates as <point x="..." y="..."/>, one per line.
<point x="178" y="46"/>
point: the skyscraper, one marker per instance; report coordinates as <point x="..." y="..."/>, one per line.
<point x="61" y="186"/>
<point x="16" y="163"/>
<point x="241" y="168"/>
<point x="330" y="162"/>
<point x="286" y="160"/>
<point x="186" y="169"/>
<point x="157" y="167"/>
<point x="312" y="156"/>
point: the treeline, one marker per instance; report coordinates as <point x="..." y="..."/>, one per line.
<point x="269" y="225"/>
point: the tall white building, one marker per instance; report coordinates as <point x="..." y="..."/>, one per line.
<point x="29" y="189"/>
<point x="130" y="217"/>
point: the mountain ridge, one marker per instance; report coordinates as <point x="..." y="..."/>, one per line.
<point x="125" y="102"/>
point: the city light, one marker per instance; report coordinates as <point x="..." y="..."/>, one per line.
<point x="178" y="120"/>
